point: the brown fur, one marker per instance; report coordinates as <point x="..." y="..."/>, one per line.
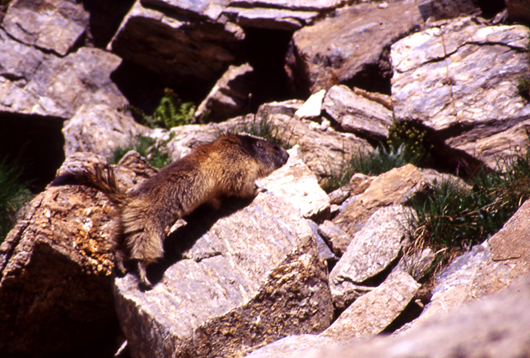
<point x="226" y="167"/>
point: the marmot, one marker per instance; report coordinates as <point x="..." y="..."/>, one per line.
<point x="226" y="167"/>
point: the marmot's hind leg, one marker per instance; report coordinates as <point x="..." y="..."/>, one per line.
<point x="142" y="275"/>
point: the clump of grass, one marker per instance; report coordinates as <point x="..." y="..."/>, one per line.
<point x="454" y="218"/>
<point x="13" y="196"/>
<point x="524" y="88"/>
<point x="405" y="144"/>
<point x="411" y="140"/>
<point x="264" y="128"/>
<point x="148" y="148"/>
<point x="170" y="112"/>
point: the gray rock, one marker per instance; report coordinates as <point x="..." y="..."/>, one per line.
<point x="337" y="238"/>
<point x="324" y="252"/>
<point x="180" y="49"/>
<point x="277" y="14"/>
<point x="99" y="129"/>
<point x="372" y="313"/>
<point x="447" y="9"/>
<point x="226" y="297"/>
<point x="460" y="78"/>
<point x="54" y="25"/>
<point x="371" y="250"/>
<point x="46" y="85"/>
<point x="340" y="48"/>
<point x="357" y="114"/>
<point x="229" y="97"/>
<point x="294" y="346"/>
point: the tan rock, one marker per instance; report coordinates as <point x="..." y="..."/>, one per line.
<point x="372" y="313"/>
<point x="339" y="48"/>
<point x="356" y="113"/>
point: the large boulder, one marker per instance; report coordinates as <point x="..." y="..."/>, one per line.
<point x="55" y="286"/>
<point x="35" y="83"/>
<point x="192" y="49"/>
<point x="350" y="47"/>
<point x="52" y="25"/>
<point x="459" y="79"/>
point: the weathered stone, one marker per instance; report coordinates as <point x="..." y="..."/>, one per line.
<point x="357" y="114"/>
<point x="256" y="293"/>
<point x="518" y="10"/>
<point x="496" y="326"/>
<point x="295" y="182"/>
<point x="371" y="250"/>
<point x="392" y="187"/>
<point x="56" y="272"/>
<point x="53" y="25"/>
<point x="183" y="52"/>
<point x="372" y="313"/>
<point x="99" y="129"/>
<point x="447" y="9"/>
<point x="337" y="238"/>
<point x="229" y="97"/>
<point x="350" y="47"/>
<point x="36" y="83"/>
<point x="437" y="81"/>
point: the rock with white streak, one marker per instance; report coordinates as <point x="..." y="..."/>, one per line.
<point x="460" y="78"/>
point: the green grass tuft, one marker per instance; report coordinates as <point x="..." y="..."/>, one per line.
<point x="148" y="148"/>
<point x="171" y="112"/>
<point x="13" y="196"/>
<point x="454" y="218"/>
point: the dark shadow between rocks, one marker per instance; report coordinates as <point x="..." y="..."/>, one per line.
<point x="198" y="223"/>
<point x="34" y="144"/>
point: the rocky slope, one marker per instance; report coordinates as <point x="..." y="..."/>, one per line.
<point x="295" y="271"/>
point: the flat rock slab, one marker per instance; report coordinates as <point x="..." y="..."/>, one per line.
<point x="370" y="251"/>
<point x="249" y="274"/>
<point x="339" y="48"/>
<point x="32" y="82"/>
<point x="372" y="313"/>
<point x="356" y="113"/>
<point x="52" y="25"/>
<point x="392" y="187"/>
<point x="460" y="78"/>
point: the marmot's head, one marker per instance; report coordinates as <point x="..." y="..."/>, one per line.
<point x="269" y="156"/>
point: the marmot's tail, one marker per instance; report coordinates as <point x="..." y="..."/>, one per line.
<point x="99" y="177"/>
